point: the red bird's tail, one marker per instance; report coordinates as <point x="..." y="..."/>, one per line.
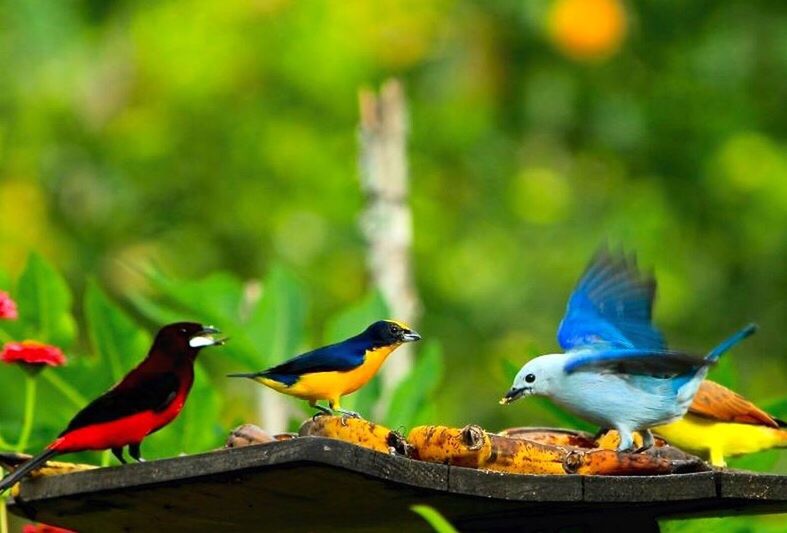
<point x="11" y="479"/>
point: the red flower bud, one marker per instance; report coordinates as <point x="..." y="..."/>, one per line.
<point x="7" y="307"/>
<point x="44" y="528"/>
<point x="32" y="353"/>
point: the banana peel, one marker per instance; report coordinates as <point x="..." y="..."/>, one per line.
<point x="10" y="461"/>
<point x="517" y="450"/>
<point x="251" y="435"/>
<point x="538" y="451"/>
<point x="356" y="431"/>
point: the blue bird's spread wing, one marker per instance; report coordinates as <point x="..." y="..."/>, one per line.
<point x="338" y="357"/>
<point x="611" y="306"/>
<point x="632" y="361"/>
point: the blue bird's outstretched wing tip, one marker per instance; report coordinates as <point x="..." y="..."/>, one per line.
<point x="634" y="361"/>
<point x="611" y="305"/>
<point x="725" y="345"/>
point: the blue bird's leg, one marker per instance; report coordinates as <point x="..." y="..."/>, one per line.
<point x="626" y="440"/>
<point x="647" y="440"/>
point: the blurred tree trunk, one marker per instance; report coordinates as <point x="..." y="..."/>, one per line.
<point x="387" y="220"/>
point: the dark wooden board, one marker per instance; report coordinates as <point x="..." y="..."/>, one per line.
<point x="318" y="484"/>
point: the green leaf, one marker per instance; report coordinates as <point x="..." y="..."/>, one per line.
<point x="356" y="318"/>
<point x="435" y="519"/>
<point x="777" y="408"/>
<point x="759" y="462"/>
<point x="215" y="299"/>
<point x="413" y="392"/>
<point x="44" y="302"/>
<point x="113" y="335"/>
<point x="276" y="326"/>
<point x="509" y="369"/>
<point x="5" y="280"/>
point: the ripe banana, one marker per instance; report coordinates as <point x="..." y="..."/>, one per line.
<point x="355" y="431"/>
<point x="548" y="452"/>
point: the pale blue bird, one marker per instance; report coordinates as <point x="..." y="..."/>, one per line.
<point x="616" y="370"/>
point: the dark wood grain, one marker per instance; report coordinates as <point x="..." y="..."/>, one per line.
<point x="318" y="484"/>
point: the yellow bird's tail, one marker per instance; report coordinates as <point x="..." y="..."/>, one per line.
<point x="782" y="434"/>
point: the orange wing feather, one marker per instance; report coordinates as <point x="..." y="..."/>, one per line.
<point x="716" y="402"/>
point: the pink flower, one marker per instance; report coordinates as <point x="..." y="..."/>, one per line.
<point x="7" y="307"/>
<point x="44" y="528"/>
<point x="32" y="353"/>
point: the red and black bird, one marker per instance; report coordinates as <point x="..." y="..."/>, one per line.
<point x="146" y="400"/>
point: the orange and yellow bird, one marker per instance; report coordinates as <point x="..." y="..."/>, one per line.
<point x="330" y="372"/>
<point x="721" y="423"/>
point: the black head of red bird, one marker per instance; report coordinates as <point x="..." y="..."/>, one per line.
<point x="186" y="339"/>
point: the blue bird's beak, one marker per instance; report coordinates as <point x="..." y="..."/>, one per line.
<point x="514" y="394"/>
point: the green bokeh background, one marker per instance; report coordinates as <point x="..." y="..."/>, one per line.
<point x="221" y="135"/>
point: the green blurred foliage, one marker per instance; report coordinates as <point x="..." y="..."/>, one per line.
<point x="216" y="140"/>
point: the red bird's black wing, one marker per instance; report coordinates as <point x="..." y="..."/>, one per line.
<point x="149" y="393"/>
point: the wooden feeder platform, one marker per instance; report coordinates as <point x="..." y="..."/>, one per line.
<point x="320" y="484"/>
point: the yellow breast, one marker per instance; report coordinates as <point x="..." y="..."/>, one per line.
<point x="719" y="439"/>
<point x="333" y="385"/>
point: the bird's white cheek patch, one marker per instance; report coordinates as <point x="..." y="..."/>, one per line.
<point x="202" y="341"/>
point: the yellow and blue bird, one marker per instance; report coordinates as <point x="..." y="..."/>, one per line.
<point x="721" y="423"/>
<point x="333" y="371"/>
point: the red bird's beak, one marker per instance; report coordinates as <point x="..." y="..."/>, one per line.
<point x="206" y="337"/>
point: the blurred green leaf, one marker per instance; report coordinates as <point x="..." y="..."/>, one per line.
<point x="435" y="519"/>
<point x="217" y="299"/>
<point x="44" y="303"/>
<point x="356" y="318"/>
<point x="509" y="369"/>
<point x="276" y="326"/>
<point x="777" y="408"/>
<point x="417" y="388"/>
<point x="758" y="462"/>
<point x="214" y="299"/>
<point x="113" y="335"/>
<point x="5" y="280"/>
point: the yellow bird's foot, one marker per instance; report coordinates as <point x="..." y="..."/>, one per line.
<point x="349" y="414"/>
<point x="717" y="458"/>
<point x="320" y="410"/>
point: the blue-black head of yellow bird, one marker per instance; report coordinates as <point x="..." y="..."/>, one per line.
<point x="389" y="332"/>
<point x="333" y="371"/>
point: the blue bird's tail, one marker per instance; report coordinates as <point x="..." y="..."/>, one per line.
<point x="729" y="342"/>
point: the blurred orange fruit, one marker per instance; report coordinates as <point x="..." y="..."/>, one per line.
<point x="587" y="29"/>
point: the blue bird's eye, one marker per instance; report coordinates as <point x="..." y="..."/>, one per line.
<point x="530" y="378"/>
